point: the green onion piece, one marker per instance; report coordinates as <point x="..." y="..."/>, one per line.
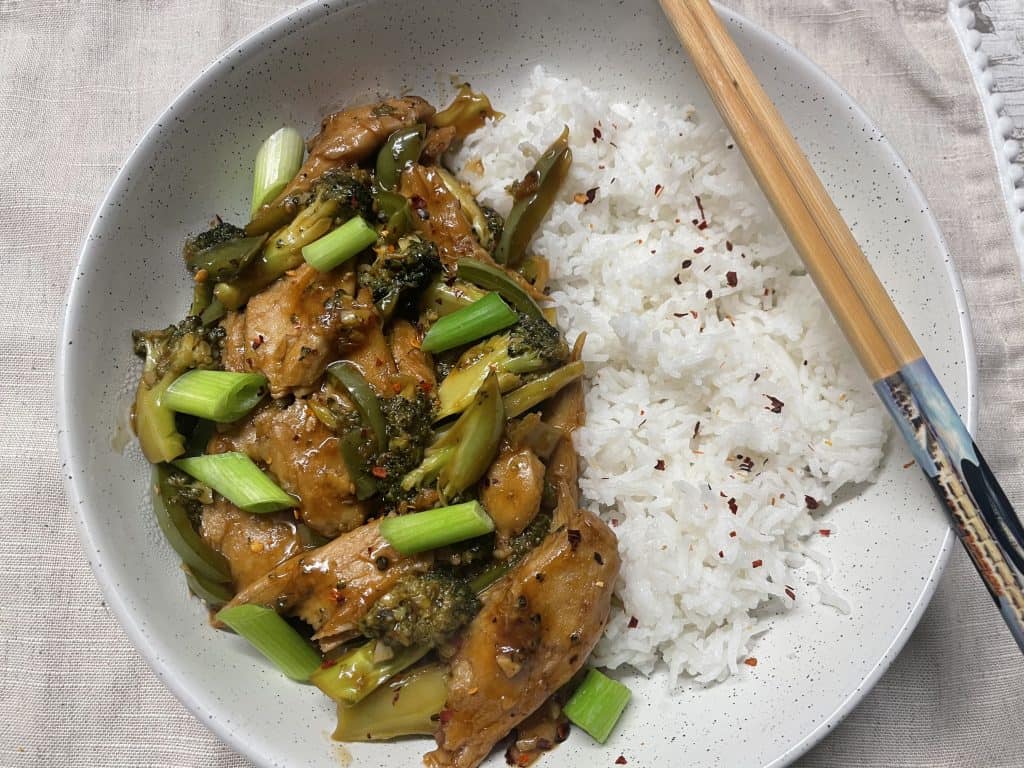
<point x="520" y="400"/>
<point x="358" y="673"/>
<point x="597" y="705"/>
<point x="481" y="318"/>
<point x="339" y="246"/>
<point x="274" y="638"/>
<point x="213" y="593"/>
<point x="497" y="280"/>
<point x="277" y="162"/>
<point x="215" y="395"/>
<point x="406" y="706"/>
<point x="420" y="531"/>
<point x="235" y="477"/>
<point x="173" y="518"/>
<point x="348" y="375"/>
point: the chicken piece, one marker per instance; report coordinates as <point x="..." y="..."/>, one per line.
<point x="410" y="360"/>
<point x="304" y="457"/>
<point x="331" y="588"/>
<point x="291" y="331"/>
<point x="536" y="629"/>
<point x="439" y="216"/>
<point x="565" y="412"/>
<point x="373" y="356"/>
<point x="512" y="490"/>
<point x="252" y="544"/>
<point x="436" y="144"/>
<point x="347" y="137"/>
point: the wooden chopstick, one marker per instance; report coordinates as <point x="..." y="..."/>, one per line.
<point x="983" y="517"/>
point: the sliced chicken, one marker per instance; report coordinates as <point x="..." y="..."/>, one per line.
<point x="347" y="137"/>
<point x="373" y="357"/>
<point x="511" y="490"/>
<point x="332" y="587"/>
<point x="304" y="457"/>
<point x="252" y="544"/>
<point x="292" y="330"/>
<point x="410" y="360"/>
<point x="439" y="217"/>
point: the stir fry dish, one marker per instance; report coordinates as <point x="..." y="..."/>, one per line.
<point x="362" y="443"/>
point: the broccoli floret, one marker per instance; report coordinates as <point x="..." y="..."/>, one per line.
<point x="532" y="346"/>
<point x="337" y="196"/>
<point x="168" y="353"/>
<point x="221" y="232"/>
<point x="421" y="609"/>
<point x="408" y="425"/>
<point x="400" y="273"/>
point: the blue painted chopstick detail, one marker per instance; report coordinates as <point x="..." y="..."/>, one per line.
<point x="983" y="518"/>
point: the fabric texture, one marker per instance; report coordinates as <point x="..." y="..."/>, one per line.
<point x="79" y="83"/>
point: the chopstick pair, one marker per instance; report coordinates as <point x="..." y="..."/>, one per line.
<point x="982" y="516"/>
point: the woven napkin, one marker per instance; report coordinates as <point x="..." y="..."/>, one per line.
<point x="78" y="86"/>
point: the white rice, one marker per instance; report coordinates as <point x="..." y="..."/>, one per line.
<point x="662" y="357"/>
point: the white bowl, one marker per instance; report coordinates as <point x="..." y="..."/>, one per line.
<point x="815" y="664"/>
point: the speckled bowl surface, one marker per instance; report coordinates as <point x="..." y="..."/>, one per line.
<point x="815" y="663"/>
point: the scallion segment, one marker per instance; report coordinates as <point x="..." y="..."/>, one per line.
<point x="435" y="528"/>
<point x="597" y="705"/>
<point x="481" y="318"/>
<point x="235" y="477"/>
<point x="535" y="392"/>
<point x="277" y="162"/>
<point x="274" y="638"/>
<point x="215" y="395"/>
<point x="340" y="245"/>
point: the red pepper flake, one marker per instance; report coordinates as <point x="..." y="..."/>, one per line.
<point x="746" y="463"/>
<point x="620" y="760"/>
<point x="732" y="534"/>
<point x="811" y="502"/>
<point x="776" y="404"/>
<point x="790" y="593"/>
<point x="258" y="341"/>
<point x="721" y="554"/>
<point x="703" y="225"/>
<point x="750" y="662"/>
<point x="757" y="376"/>
<point x="686" y="263"/>
<point x="908" y="465"/>
<point x="695" y="222"/>
<point x="633" y="622"/>
<point x="680" y="314"/>
<point x="660" y="466"/>
<point x="728" y="246"/>
<point x="586" y="198"/>
<point x="733" y="506"/>
<point x="708" y="294"/>
<point x="696" y="430"/>
<point x="657" y="190"/>
<point x="757" y="564"/>
<point x="699" y="249"/>
<point x="700" y="207"/>
<point x="379" y="472"/>
<point x="597" y="134"/>
<point x="676" y="280"/>
<point x="731" y="279"/>
<point x="615" y="522"/>
<point x="825" y="531"/>
<point x="693" y="313"/>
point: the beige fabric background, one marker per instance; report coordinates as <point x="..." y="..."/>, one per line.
<point x="79" y="83"/>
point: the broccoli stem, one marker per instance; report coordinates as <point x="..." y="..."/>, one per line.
<point x="407" y="706"/>
<point x="361" y="671"/>
<point x="443" y="298"/>
<point x="533" y="393"/>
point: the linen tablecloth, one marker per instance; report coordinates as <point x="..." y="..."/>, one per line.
<point x="80" y="82"/>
